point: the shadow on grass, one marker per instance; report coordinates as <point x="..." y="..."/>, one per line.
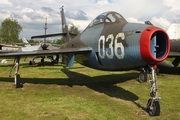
<point x="173" y="70"/>
<point x="106" y="84"/>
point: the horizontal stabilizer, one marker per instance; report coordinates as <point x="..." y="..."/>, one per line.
<point x="49" y="35"/>
<point x="52" y="35"/>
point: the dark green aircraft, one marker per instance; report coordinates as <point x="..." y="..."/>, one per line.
<point x="174" y="35"/>
<point x="110" y="43"/>
<point x="175" y="51"/>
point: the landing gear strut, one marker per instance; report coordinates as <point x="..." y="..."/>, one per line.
<point x="16" y="75"/>
<point x="153" y="106"/>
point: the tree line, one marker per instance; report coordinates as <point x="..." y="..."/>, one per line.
<point x="10" y="30"/>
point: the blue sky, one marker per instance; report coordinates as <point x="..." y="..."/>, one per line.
<point x="31" y="14"/>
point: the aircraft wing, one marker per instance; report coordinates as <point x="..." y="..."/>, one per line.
<point x="174" y="54"/>
<point x="10" y="46"/>
<point x="165" y="64"/>
<point x="47" y="52"/>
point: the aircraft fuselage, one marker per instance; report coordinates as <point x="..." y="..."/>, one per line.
<point x="119" y="45"/>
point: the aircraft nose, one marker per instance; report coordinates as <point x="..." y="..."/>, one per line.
<point x="154" y="45"/>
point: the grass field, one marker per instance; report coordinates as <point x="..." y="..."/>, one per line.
<point x="81" y="93"/>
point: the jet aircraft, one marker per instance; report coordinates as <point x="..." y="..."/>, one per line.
<point x="174" y="34"/>
<point x="8" y="48"/>
<point x="110" y="43"/>
<point x="28" y="47"/>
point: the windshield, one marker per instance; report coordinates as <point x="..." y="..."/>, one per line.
<point x="107" y="17"/>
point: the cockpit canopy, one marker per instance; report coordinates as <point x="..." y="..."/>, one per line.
<point x="108" y="17"/>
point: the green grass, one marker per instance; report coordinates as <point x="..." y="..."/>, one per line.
<point x="81" y="93"/>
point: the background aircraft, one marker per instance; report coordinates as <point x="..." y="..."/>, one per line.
<point x="110" y="43"/>
<point x="9" y="48"/>
<point x="4" y="48"/>
<point x="174" y="34"/>
<point x="28" y="47"/>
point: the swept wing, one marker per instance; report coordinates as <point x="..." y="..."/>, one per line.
<point x="47" y="52"/>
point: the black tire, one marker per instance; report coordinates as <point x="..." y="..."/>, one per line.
<point x="31" y="62"/>
<point x="155" y="111"/>
<point x="157" y="71"/>
<point x="142" y="77"/>
<point x="42" y="59"/>
<point x="17" y="82"/>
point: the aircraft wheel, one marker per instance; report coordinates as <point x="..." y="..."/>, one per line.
<point x="17" y="81"/>
<point x="153" y="110"/>
<point x="31" y="62"/>
<point x="42" y="59"/>
<point x="142" y="77"/>
<point x="157" y="71"/>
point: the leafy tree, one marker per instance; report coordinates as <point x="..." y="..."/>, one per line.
<point x="10" y="30"/>
<point x="31" y="41"/>
<point x="74" y="29"/>
<point x="34" y="41"/>
<point x="59" y="41"/>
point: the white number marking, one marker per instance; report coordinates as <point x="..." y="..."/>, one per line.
<point x="101" y="47"/>
<point x="110" y="54"/>
<point x="111" y="51"/>
<point x="119" y="46"/>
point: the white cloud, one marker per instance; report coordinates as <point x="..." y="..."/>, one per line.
<point x="31" y="13"/>
<point x="162" y="22"/>
<point x="102" y="2"/>
<point x="81" y="24"/>
<point x="25" y="10"/>
<point x="173" y="4"/>
<point x="5" y="2"/>
<point x="133" y="20"/>
<point x="26" y="19"/>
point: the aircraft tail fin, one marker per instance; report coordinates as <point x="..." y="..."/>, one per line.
<point x="174" y="31"/>
<point x="26" y="43"/>
<point x="65" y="32"/>
<point x="66" y="38"/>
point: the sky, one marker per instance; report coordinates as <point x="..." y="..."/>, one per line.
<point x="31" y="14"/>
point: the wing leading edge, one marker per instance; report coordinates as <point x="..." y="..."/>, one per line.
<point x="174" y="54"/>
<point x="48" y="52"/>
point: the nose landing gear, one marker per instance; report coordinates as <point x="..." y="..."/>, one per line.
<point x="153" y="106"/>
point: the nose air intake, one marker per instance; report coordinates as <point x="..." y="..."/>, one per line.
<point x="154" y="45"/>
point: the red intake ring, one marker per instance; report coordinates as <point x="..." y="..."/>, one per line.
<point x="154" y="45"/>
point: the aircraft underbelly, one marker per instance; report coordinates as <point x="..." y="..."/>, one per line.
<point x="132" y="59"/>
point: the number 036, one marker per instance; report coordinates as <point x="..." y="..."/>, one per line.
<point x="111" y="50"/>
